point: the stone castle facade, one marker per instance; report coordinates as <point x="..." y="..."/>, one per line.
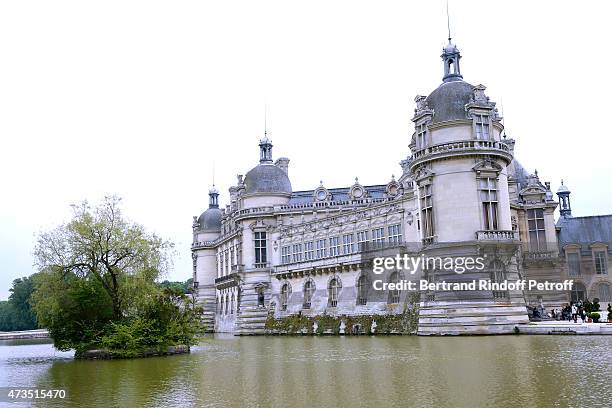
<point x="275" y="251"/>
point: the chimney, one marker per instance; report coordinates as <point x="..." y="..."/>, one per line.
<point x="283" y="164"/>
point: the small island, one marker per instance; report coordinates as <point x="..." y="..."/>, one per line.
<point x="97" y="290"/>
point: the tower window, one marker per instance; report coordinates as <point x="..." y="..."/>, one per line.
<point x="427" y="220"/>
<point x="261" y="253"/>
<point x="482" y="127"/>
<point x="421" y="136"/>
<point x="488" y="196"/>
<point x="537" y="230"/>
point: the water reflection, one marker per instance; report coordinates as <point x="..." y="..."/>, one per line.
<point x="321" y="371"/>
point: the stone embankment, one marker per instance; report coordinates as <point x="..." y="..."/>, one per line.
<point x="25" y="334"/>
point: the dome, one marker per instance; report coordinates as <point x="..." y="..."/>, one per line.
<point x="563" y="189"/>
<point x="210" y="220"/>
<point x="449" y="99"/>
<point x="450" y="48"/>
<point x="267" y="178"/>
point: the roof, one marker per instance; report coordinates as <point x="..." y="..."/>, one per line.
<point x="338" y="194"/>
<point x="267" y="178"/>
<point x="210" y="220"/>
<point x="585" y="230"/>
<point x="449" y="99"/>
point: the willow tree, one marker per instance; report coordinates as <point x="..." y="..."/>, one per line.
<point x="100" y="245"/>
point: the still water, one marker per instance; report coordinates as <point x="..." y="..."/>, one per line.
<point x="227" y="371"/>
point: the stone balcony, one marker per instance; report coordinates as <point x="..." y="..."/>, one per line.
<point x="497" y="236"/>
<point x="461" y="148"/>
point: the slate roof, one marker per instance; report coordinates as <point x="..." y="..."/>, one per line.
<point x="449" y="99"/>
<point x="585" y="230"/>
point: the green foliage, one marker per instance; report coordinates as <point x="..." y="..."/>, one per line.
<point x="17" y="313"/>
<point x="595" y="317"/>
<point x="98" y="290"/>
<point x="182" y="287"/>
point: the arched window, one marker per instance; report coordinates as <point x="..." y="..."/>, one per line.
<point x="221" y="306"/>
<point x="232" y="300"/>
<point x="394" y="295"/>
<point x="309" y="289"/>
<point x="578" y="292"/>
<point x="284" y="298"/>
<point x="226" y="303"/>
<point x="260" y="297"/>
<point x="333" y="289"/>
<point x="362" y="290"/>
<point x="604" y="292"/>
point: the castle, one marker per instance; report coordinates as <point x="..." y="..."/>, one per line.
<point x="275" y="251"/>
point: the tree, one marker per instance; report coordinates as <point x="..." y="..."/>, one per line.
<point x="101" y="245"/>
<point x="21" y="292"/>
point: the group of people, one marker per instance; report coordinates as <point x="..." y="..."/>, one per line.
<point x="572" y="311"/>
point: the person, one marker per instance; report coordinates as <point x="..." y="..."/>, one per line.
<point x="581" y="313"/>
<point x="574" y="313"/>
<point x="553" y="314"/>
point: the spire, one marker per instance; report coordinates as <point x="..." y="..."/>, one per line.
<point x="213" y="197"/>
<point x="450" y="56"/>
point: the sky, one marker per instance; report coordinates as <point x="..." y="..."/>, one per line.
<point x="143" y="99"/>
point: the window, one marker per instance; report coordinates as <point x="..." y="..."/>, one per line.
<point x="221" y="308"/>
<point x="261" y="253"/>
<point x="488" y="196"/>
<point x="362" y="290"/>
<point x="309" y="289"/>
<point x="421" y="136"/>
<point x="297" y="253"/>
<point x="285" y="254"/>
<point x="426" y="212"/>
<point x="578" y="292"/>
<point x="284" y="298"/>
<point x="226" y="303"/>
<point x="321" y="249"/>
<point x="378" y="237"/>
<point x="232" y="300"/>
<point x="347" y="244"/>
<point x="394" y="295"/>
<point x="334" y="286"/>
<point x="334" y="246"/>
<point x="537" y="231"/>
<point x="573" y="263"/>
<point x="482" y="127"/>
<point x="601" y="267"/>
<point x="498" y="275"/>
<point x="395" y="235"/>
<point x="260" y="297"/>
<point x="309" y="251"/>
<point x="604" y="292"/>
<point x="362" y="240"/>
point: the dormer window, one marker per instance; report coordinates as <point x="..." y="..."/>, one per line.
<point x="482" y="127"/>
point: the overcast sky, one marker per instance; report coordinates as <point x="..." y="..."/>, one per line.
<point x="138" y="98"/>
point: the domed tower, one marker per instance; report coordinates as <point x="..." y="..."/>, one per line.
<point x="267" y="183"/>
<point x="565" y="208"/>
<point x="206" y="228"/>
<point x="459" y="165"/>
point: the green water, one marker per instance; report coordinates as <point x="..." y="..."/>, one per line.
<point x="227" y="371"/>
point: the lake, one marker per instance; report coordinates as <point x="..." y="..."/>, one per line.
<point x="226" y="371"/>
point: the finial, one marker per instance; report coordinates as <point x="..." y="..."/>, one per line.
<point x="265" y="120"/>
<point x="561" y="181"/>
<point x="320" y="183"/>
<point x="393" y="177"/>
<point x="536" y="172"/>
<point x="356" y="180"/>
